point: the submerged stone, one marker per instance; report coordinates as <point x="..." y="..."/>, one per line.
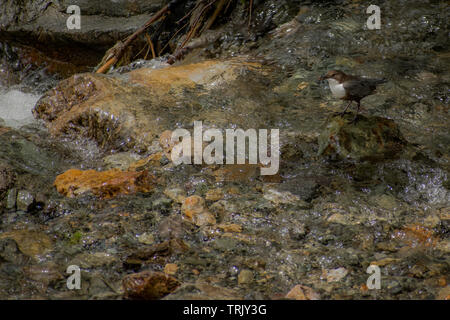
<point x="148" y="285"/>
<point x="24" y="200"/>
<point x="371" y="138"/>
<point x="31" y="243"/>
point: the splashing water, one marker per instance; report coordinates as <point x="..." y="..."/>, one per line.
<point x="16" y="106"/>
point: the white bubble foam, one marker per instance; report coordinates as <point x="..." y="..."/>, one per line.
<point x="16" y="106"/>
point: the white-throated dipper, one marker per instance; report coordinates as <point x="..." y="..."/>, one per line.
<point x="350" y="88"/>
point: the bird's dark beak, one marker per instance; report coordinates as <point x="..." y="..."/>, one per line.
<point x="321" y="78"/>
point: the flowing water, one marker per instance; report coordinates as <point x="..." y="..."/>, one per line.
<point x="328" y="218"/>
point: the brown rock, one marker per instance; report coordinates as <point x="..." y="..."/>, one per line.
<point x="195" y="210"/>
<point x="30" y="243"/>
<point x="214" y="195"/>
<point x="300" y="292"/>
<point x="170" y="269"/>
<point x="237" y="172"/>
<point x="416" y="235"/>
<point x="106" y="184"/>
<point x="158" y="253"/>
<point x="148" y="285"/>
<point x="245" y="277"/>
<point x="122" y="114"/>
<point x="232" y="227"/>
<point x="7" y="178"/>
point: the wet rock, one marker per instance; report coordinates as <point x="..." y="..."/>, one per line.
<point x="170" y="269"/>
<point x="335" y="275"/>
<point x="9" y="252"/>
<point x="157" y="253"/>
<point x="24" y="200"/>
<point x="162" y="204"/>
<point x="172" y="227"/>
<point x="416" y="236"/>
<point x="237" y="172"/>
<point x="46" y="274"/>
<point x="304" y="187"/>
<point x="444" y="294"/>
<point x="283" y="197"/>
<point x="104" y="22"/>
<point x="121" y="114"/>
<point x="31" y="243"/>
<point x="194" y="209"/>
<point x="148" y="285"/>
<point x="176" y="194"/>
<point x="203" y="291"/>
<point x="301" y="292"/>
<point x="7" y="178"/>
<point x="245" y="277"/>
<point x="106" y="184"/>
<point x="368" y="139"/>
<point x="11" y="198"/>
<point x="120" y="160"/>
<point x="146" y="238"/>
<point x="230" y="227"/>
<point x="93" y="260"/>
<point x="152" y="161"/>
<point x="214" y="195"/>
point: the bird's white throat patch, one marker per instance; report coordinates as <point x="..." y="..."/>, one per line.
<point x="336" y="88"/>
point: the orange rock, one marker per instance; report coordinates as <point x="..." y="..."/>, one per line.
<point x="193" y="205"/>
<point x="152" y="160"/>
<point x="364" y="288"/>
<point x="442" y="282"/>
<point x="170" y="269"/>
<point x="195" y="210"/>
<point x="300" y="292"/>
<point x="148" y="285"/>
<point x="415" y="235"/>
<point x="230" y="227"/>
<point x="106" y="184"/>
<point x="165" y="140"/>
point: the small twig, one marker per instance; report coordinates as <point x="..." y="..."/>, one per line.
<point x="151" y="47"/>
<point x="214" y="15"/>
<point x="175" y="34"/>
<point x="117" y="54"/>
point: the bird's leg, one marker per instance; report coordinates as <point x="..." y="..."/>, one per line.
<point x="357" y="110"/>
<point x="348" y="105"/>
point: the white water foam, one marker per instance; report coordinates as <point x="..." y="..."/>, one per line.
<point x="16" y="106"/>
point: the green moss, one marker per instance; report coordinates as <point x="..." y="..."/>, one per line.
<point x="76" y="237"/>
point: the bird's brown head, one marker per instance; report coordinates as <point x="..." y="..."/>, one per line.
<point x="334" y="74"/>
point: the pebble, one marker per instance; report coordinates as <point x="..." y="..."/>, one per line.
<point x="11" y="198"/>
<point x="148" y="285"/>
<point x="171" y="269"/>
<point x="24" y="200"/>
<point x="245" y="277"/>
<point x="335" y="275"/>
<point x="301" y="292"/>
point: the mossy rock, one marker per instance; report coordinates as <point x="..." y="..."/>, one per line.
<point x="372" y="138"/>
